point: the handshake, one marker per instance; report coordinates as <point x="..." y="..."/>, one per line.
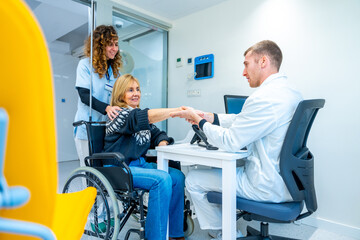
<point x="191" y="115"/>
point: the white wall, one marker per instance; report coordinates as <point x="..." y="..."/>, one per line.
<point x="64" y="74"/>
<point x="320" y="41"/>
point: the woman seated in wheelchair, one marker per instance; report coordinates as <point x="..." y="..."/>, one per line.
<point x="132" y="133"/>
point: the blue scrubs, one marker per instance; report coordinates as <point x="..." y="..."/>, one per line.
<point x="98" y="91"/>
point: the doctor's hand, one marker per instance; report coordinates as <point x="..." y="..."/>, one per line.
<point x="208" y="116"/>
<point x="112" y="111"/>
<point x="189" y="114"/>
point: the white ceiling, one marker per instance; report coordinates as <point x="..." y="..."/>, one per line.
<point x="171" y="9"/>
<point x="65" y="22"/>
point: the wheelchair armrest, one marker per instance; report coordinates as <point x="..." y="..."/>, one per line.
<point x="81" y="122"/>
<point x="118" y="159"/>
<point x="108" y="155"/>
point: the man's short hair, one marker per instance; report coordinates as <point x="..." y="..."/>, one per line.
<point x="269" y="48"/>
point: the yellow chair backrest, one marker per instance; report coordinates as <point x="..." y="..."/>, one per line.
<point x="26" y="92"/>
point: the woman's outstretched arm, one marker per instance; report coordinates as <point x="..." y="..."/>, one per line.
<point x="161" y="114"/>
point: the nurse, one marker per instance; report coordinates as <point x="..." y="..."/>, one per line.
<point x="105" y="67"/>
<point x="261" y="127"/>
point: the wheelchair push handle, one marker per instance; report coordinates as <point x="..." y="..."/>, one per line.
<point x="78" y="123"/>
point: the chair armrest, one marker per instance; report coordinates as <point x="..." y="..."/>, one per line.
<point x="81" y="122"/>
<point x="117" y="159"/>
<point x="303" y="215"/>
<point x="26" y="228"/>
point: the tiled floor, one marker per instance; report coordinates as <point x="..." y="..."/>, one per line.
<point x="289" y="230"/>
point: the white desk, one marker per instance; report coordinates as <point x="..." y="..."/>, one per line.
<point x="225" y="160"/>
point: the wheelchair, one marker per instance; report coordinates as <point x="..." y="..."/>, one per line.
<point x="116" y="199"/>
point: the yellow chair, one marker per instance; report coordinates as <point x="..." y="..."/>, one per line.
<point x="26" y="93"/>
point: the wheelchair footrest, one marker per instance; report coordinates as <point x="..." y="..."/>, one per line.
<point x="140" y="231"/>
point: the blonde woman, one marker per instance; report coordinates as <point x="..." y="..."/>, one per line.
<point x="132" y="133"/>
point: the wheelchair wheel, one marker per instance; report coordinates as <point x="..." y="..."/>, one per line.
<point x="103" y="221"/>
<point x="188" y="221"/>
<point x="188" y="225"/>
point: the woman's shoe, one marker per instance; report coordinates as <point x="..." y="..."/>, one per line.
<point x="101" y="228"/>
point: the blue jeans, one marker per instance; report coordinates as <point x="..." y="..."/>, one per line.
<point x="166" y="198"/>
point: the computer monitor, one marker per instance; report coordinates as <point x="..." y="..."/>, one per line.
<point x="234" y="103"/>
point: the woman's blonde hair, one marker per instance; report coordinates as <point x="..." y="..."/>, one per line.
<point x="102" y="37"/>
<point x="119" y="89"/>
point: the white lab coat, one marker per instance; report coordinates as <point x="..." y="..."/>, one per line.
<point x="261" y="127"/>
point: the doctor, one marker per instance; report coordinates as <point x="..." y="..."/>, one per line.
<point x="261" y="127"/>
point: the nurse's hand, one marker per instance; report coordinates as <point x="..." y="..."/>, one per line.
<point x="112" y="111"/>
<point x="163" y="143"/>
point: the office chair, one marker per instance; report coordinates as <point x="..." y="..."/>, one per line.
<point x="26" y="93"/>
<point x="297" y="170"/>
<point x="234" y="103"/>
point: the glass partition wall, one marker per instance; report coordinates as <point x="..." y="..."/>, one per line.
<point x="144" y="54"/>
<point x="143" y="44"/>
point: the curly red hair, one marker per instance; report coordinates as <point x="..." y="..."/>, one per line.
<point x="103" y="36"/>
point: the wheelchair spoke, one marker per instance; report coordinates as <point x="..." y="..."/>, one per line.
<point x="101" y="220"/>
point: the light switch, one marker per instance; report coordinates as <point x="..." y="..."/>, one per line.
<point x="179" y="62"/>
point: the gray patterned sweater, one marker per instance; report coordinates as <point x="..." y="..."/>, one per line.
<point x="131" y="134"/>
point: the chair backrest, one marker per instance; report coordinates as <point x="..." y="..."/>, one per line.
<point x="119" y="178"/>
<point x="234" y="103"/>
<point x="296" y="160"/>
<point x="96" y="135"/>
<point x="26" y="93"/>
